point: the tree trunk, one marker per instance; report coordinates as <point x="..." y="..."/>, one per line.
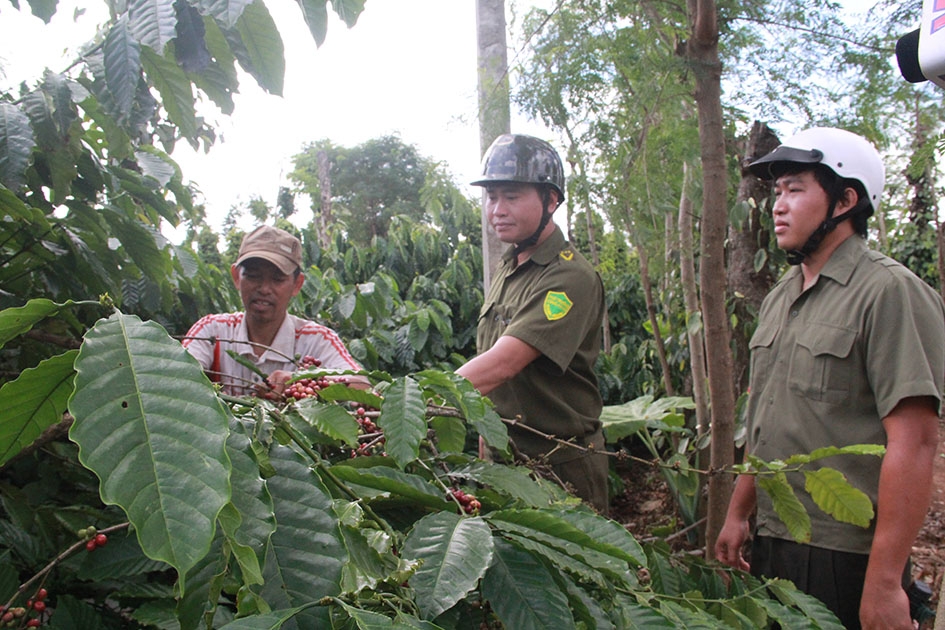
<point x="494" y="109"/>
<point x="749" y="287"/>
<point x="323" y="221"/>
<point x="687" y="275"/>
<point x="592" y="244"/>
<point x="654" y="320"/>
<point x="703" y="54"/>
<point x="670" y="242"/>
<point x="577" y="167"/>
<point x="697" y="370"/>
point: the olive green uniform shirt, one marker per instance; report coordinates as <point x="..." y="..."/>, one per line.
<point x="828" y="364"/>
<point x="554" y="302"/>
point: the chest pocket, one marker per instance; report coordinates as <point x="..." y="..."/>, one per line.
<point x="493" y="320"/>
<point x="761" y="354"/>
<point x="822" y="363"/>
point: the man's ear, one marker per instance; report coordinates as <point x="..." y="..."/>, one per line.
<point x="848" y="198"/>
<point x="235" y="274"/>
<point x="554" y="199"/>
<point x="299" y="281"/>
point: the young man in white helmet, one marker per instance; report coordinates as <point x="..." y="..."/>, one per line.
<point x="540" y="327"/>
<point x="849" y="349"/>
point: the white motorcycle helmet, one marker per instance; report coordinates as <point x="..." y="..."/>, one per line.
<point x="849" y="156"/>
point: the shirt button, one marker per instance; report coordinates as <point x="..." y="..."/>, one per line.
<point x="794" y="313"/>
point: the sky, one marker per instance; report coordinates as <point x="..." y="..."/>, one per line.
<point x="407" y="67"/>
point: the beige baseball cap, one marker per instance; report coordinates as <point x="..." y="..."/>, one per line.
<point x="272" y="244"/>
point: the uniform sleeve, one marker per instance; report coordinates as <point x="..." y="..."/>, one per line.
<point x="197" y="341"/>
<point x="906" y="343"/>
<point x="564" y="304"/>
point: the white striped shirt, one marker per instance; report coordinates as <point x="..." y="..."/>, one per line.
<point x="213" y="335"/>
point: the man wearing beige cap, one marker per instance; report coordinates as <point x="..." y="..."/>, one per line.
<point x="268" y="274"/>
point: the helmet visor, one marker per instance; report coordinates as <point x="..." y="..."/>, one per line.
<point x="769" y="166"/>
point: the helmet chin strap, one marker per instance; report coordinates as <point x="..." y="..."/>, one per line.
<point x="797" y="256"/>
<point x="545" y="218"/>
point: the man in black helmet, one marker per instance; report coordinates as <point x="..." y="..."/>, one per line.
<point x="849" y="349"/>
<point x="540" y="327"/>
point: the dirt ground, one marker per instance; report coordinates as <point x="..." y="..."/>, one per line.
<point x="645" y="505"/>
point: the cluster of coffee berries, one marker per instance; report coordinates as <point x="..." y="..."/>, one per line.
<point x="367" y="425"/>
<point x="369" y="434"/>
<point x="93" y="539"/>
<point x="35" y="609"/>
<point x="309" y="387"/>
<point x="11" y="617"/>
<point x="469" y="503"/>
<point x="308" y="361"/>
<point x="305" y="387"/>
<point x="374" y="447"/>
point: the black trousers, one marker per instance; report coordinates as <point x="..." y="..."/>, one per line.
<point x="834" y="577"/>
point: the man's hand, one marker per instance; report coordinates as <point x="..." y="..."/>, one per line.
<point x="885" y="608"/>
<point x="735" y="529"/>
<point x="277" y="381"/>
<point x="728" y="546"/>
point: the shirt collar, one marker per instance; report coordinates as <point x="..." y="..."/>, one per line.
<point x="843" y="261"/>
<point x="546" y="252"/>
<point x="283" y="344"/>
<point x="839" y="267"/>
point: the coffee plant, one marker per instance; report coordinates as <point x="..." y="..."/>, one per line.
<point x="172" y="505"/>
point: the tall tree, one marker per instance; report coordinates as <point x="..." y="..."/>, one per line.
<point x="702" y="51"/>
<point x="370" y="184"/>
<point x="323" y="215"/>
<point x="494" y="109"/>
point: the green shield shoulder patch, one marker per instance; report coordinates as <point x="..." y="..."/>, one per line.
<point x="557" y="304"/>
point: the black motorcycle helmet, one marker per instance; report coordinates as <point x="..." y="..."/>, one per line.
<point x="518" y="158"/>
